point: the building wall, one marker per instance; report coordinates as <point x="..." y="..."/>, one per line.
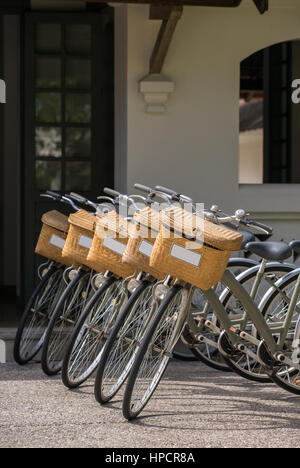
<point x="194" y="146"/>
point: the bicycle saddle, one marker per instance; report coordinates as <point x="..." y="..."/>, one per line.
<point x="247" y="237"/>
<point x="295" y="245"/>
<point x="276" y="251"/>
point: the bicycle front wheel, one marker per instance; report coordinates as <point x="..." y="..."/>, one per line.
<point x="89" y="336"/>
<point x="119" y="351"/>
<point x="35" y="320"/>
<point x="65" y="316"/>
<point x="155" y="351"/>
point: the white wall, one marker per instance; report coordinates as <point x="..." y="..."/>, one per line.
<point x="194" y="146"/>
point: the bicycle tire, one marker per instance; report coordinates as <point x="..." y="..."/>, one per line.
<point x="212" y="357"/>
<point x="129" y="411"/>
<point x="236" y="363"/>
<point x="284" y="376"/>
<point x="61" y="326"/>
<point x="38" y="338"/>
<point x="104" y="391"/>
<point x="72" y="374"/>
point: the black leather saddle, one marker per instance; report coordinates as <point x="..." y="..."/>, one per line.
<point x="295" y="245"/>
<point x="276" y="251"/>
<point x="247" y="237"/>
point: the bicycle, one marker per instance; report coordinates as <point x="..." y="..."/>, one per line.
<point x="118" y="353"/>
<point x="79" y="280"/>
<point x="168" y="322"/>
<point x="86" y="342"/>
<point x="40" y="306"/>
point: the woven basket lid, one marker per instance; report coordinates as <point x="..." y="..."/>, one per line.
<point x="56" y="220"/>
<point x="191" y="226"/>
<point x="148" y="218"/>
<point x="83" y="219"/>
<point x="112" y="223"/>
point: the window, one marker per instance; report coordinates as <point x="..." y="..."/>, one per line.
<point x="269" y="121"/>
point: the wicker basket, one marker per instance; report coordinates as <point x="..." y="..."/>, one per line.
<point x="142" y="236"/>
<point x="109" y="243"/>
<point x="80" y="238"/>
<point x="178" y="250"/>
<point x="53" y="236"/>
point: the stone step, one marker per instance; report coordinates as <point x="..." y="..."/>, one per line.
<point x="7" y="339"/>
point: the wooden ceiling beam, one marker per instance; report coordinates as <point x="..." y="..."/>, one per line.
<point x="262" y="5"/>
<point x="169" y="17"/>
<point x="205" y="3"/>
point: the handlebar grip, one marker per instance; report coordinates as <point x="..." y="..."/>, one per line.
<point x="259" y="225"/>
<point x="111" y="192"/>
<point x="166" y="190"/>
<point x="54" y="194"/>
<point x="143" y="188"/>
<point x="77" y="197"/>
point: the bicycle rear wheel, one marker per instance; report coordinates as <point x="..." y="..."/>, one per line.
<point x="65" y="316"/>
<point x="240" y="362"/>
<point x="204" y="352"/>
<point x="155" y="352"/>
<point x="275" y="307"/>
<point x="120" y="348"/>
<point x="35" y="319"/>
<point x="90" y="333"/>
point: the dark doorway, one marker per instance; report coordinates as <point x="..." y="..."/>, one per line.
<point x="64" y="127"/>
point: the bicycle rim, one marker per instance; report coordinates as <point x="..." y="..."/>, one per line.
<point x="241" y="363"/>
<point x="33" y="326"/>
<point x="63" y="321"/>
<point x="121" y="347"/>
<point x="154" y="353"/>
<point x="90" y="335"/>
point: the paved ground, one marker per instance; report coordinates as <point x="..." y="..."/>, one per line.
<point x="193" y="407"/>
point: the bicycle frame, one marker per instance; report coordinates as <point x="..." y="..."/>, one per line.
<point x="252" y="311"/>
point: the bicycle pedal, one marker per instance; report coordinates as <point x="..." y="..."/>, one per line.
<point x="212" y="326"/>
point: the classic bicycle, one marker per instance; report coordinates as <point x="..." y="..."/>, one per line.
<point x="169" y="321"/>
<point x="118" y="353"/>
<point x="80" y="288"/>
<point x="35" y="319"/>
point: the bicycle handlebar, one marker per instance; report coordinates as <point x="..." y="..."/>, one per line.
<point x="175" y="196"/>
<point x="78" y="198"/>
<point x="143" y="188"/>
<point x="54" y="195"/>
<point x="264" y="227"/>
<point x="111" y="192"/>
<point x="166" y="190"/>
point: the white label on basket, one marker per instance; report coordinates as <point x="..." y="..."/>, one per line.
<point x="145" y="248"/>
<point x="114" y="245"/>
<point x="186" y="255"/>
<point x="85" y="241"/>
<point x="57" y="241"/>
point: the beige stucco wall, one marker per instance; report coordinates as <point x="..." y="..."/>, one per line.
<point x="194" y="146"/>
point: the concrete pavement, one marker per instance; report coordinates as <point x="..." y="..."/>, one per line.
<point x="194" y="406"/>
